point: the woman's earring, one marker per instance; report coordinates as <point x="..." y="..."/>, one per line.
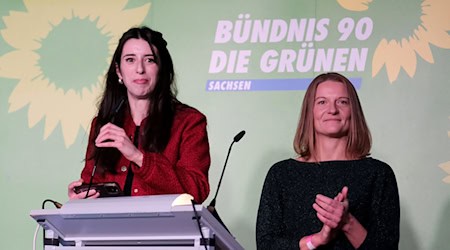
<point x="120" y="81"/>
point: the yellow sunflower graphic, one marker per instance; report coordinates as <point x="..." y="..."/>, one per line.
<point x="446" y="166"/>
<point x="355" y="5"/>
<point x="395" y="54"/>
<point x="56" y="46"/>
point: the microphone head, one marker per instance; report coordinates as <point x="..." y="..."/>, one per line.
<point x="57" y="204"/>
<point x="239" y="136"/>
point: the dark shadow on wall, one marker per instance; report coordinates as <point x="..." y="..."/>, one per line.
<point x="408" y="237"/>
<point x="441" y="239"/>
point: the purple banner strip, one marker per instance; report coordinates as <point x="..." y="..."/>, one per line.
<point x="266" y="84"/>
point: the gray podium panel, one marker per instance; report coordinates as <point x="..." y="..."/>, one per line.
<point x="144" y="222"/>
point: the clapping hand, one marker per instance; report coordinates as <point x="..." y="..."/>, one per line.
<point x="332" y="212"/>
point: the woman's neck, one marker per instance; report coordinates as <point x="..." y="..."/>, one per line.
<point x="331" y="149"/>
<point x="138" y="110"/>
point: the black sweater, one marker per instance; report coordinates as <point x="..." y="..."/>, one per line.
<point x="286" y="214"/>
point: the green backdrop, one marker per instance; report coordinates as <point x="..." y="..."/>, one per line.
<point x="53" y="55"/>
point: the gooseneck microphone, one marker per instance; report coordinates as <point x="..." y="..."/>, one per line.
<point x="236" y="138"/>
<point x="97" y="157"/>
<point x="52" y="241"/>
<point x="212" y="204"/>
<point x="55" y="203"/>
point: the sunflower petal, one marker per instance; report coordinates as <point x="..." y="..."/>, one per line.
<point x="27" y="68"/>
<point x="446" y="179"/>
<point x="19" y="97"/>
<point x="408" y="58"/>
<point x="88" y="106"/>
<point x="40" y="93"/>
<point x="52" y="120"/>
<point x="69" y="119"/>
<point x="388" y="54"/>
<point x="446" y="167"/>
<point x="438" y="37"/>
<point x="355" y="5"/>
<point x="392" y="64"/>
<point x="435" y="13"/>
<point x="110" y="24"/>
<point x="378" y="59"/>
<point x="421" y="45"/>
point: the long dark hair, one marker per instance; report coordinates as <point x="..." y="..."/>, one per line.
<point x="156" y="130"/>
<point x="359" y="138"/>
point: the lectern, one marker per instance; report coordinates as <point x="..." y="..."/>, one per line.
<point x="141" y="222"/>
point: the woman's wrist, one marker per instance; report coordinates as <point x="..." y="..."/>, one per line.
<point x="354" y="231"/>
<point x="139" y="158"/>
<point x="310" y="242"/>
<point x="347" y="226"/>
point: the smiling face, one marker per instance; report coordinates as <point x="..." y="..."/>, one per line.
<point x="138" y="68"/>
<point x="332" y="111"/>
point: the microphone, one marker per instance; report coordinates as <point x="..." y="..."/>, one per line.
<point x="212" y="205"/>
<point x="97" y="157"/>
<point x="58" y="206"/>
<point x="55" y="203"/>
<point x="239" y="136"/>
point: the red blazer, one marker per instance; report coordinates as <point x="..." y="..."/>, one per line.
<point x="181" y="168"/>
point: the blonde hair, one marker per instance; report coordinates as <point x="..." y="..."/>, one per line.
<point x="359" y="138"/>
